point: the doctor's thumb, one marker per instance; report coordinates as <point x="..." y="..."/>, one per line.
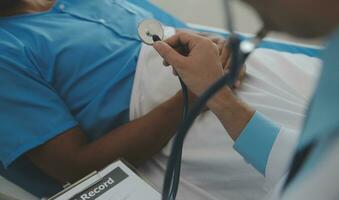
<point x="170" y="55"/>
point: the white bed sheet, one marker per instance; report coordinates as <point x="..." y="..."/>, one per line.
<point x="278" y="85"/>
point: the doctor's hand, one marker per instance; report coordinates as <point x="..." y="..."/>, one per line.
<point x="199" y="67"/>
<point x="197" y="61"/>
<point x="224" y="54"/>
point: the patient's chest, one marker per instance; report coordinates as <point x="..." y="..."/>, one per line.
<point x="87" y="51"/>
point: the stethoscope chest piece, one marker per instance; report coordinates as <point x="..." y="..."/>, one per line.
<point x="149" y="28"/>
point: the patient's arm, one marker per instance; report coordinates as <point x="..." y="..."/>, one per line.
<point x="69" y="156"/>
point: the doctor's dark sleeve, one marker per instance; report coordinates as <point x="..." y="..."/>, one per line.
<point x="256" y="141"/>
<point x="31" y="112"/>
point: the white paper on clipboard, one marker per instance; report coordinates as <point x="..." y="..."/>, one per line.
<point x="115" y="182"/>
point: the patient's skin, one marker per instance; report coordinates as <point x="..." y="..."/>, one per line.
<point x="16" y="7"/>
<point x="65" y="157"/>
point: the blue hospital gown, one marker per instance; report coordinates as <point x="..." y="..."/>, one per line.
<point x="71" y="66"/>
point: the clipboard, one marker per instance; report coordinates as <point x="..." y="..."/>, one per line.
<point x="118" y="181"/>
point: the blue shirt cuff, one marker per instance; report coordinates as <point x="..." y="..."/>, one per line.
<point x="256" y="141"/>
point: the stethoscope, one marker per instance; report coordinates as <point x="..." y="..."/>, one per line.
<point x="151" y="31"/>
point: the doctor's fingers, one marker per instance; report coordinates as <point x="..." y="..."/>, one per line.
<point x="224" y="53"/>
<point x="170" y="55"/>
<point x="182" y="50"/>
<point x="223" y="48"/>
<point x="225" y="58"/>
<point x="183" y="42"/>
<point x="184" y="39"/>
<point x="241" y="77"/>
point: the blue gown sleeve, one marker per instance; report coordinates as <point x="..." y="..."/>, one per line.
<point x="31" y="112"/>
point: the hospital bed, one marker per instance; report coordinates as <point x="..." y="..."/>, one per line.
<point x="9" y="190"/>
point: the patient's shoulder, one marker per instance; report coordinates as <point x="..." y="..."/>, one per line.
<point x="14" y="55"/>
<point x="9" y="43"/>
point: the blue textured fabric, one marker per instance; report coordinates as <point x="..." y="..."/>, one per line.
<point x="256" y="141"/>
<point x="73" y="65"/>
